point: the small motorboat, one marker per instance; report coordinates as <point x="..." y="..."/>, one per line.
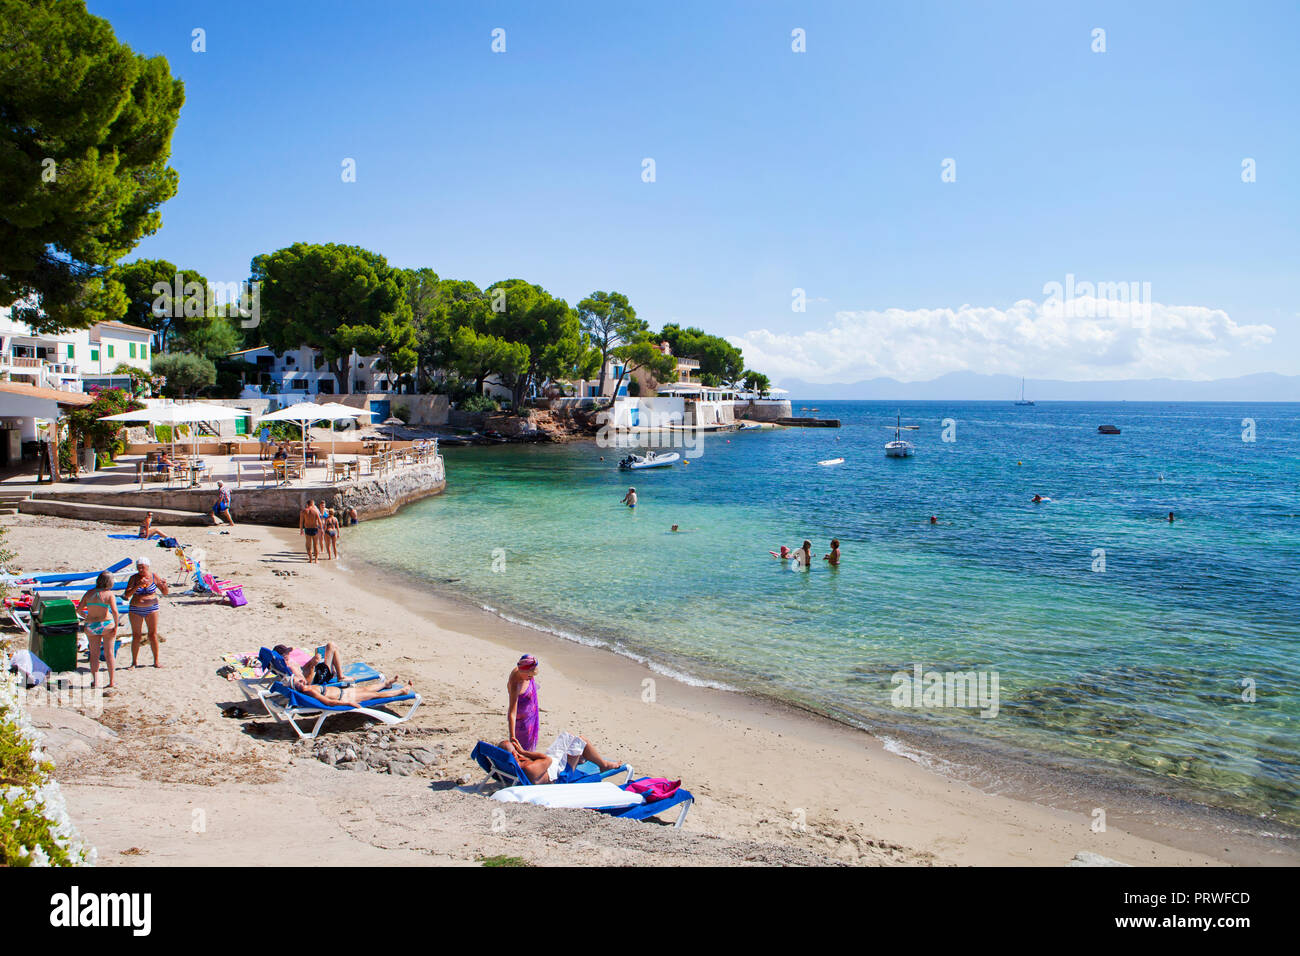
<point x="652" y="460"/>
<point x="1108" y="429"/>
<point x="832" y="461"/>
<point x="899" y="448"/>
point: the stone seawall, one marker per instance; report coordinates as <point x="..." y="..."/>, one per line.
<point x="768" y="411"/>
<point x="375" y="496"/>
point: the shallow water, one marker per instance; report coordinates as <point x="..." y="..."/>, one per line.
<point x="1139" y="669"/>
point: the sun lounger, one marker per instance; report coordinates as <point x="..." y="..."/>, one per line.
<point x="502" y="767"/>
<point x="609" y="798"/>
<point x="287" y="705"/>
<point x="275" y="669"/>
<point x="63" y="577"/>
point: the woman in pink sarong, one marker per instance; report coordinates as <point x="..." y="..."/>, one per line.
<point x="523" y="719"/>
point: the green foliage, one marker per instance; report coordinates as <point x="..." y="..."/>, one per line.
<point x="502" y="861"/>
<point x="477" y="404"/>
<point x="331" y="296"/>
<point x="185" y="373"/>
<point x="85" y="427"/>
<point x="402" y="412"/>
<point x="142" y="382"/>
<point x="644" y="355"/>
<point x="757" y="382"/>
<point x="71" y="93"/>
<point x="475" y="356"/>
<point x="531" y="316"/>
<point x="150" y="285"/>
<point x="721" y="363"/>
<point x="231" y="376"/>
<point x="390" y="338"/>
<point x="608" y="320"/>
<point x="212" y="338"/>
<point x="281" y="431"/>
<point x="422" y="290"/>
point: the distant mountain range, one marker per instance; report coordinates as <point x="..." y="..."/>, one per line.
<point x="970" y="386"/>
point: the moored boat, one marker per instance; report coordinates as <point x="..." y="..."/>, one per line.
<point x="899" y="447"/>
<point x="652" y="460"/>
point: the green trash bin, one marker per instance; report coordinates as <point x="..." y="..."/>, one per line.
<point x="56" y="645"/>
<point x="57" y="611"/>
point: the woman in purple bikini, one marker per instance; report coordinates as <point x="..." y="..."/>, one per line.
<point x="523" y="719"/>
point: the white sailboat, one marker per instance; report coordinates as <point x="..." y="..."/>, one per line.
<point x="1023" y="400"/>
<point x="899" y="448"/>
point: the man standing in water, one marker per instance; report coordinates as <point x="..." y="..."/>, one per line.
<point x="309" y="523"/>
<point x="629" y="499"/>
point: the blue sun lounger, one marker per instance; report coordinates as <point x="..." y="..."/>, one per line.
<point x="288" y="706"/>
<point x="502" y="767"/>
<point x="61" y="579"/>
<point x="682" y="797"/>
<point x="255" y="688"/>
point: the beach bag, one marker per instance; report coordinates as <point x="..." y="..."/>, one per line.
<point x="236" y="596"/>
<point x="168" y="543"/>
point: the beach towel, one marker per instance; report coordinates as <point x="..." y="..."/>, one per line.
<point x="655" y="788"/>
<point x="571" y="796"/>
<point x="241" y="666"/>
<point x="33" y="669"/>
<point x="124" y="537"/>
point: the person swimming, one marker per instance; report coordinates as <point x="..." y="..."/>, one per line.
<point x="834" y="556"/>
<point x="785" y="555"/>
<point x="803" y="556"/>
<point x="629" y="499"/>
<point x="1171" y="517"/>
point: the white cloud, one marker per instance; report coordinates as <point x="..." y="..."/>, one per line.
<point x="1084" y="339"/>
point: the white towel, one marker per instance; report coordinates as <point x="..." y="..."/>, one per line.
<point x="570" y="796"/>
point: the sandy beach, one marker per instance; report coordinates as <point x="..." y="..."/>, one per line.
<point x="161" y="777"/>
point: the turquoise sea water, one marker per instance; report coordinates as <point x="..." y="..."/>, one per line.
<point x="1139" y="669"/>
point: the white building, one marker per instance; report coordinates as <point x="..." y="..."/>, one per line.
<point x="70" y="361"/>
<point x="301" y="372"/>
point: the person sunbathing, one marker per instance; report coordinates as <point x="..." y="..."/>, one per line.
<point x="316" y="668"/>
<point x="147" y="529"/>
<point x="356" y="696"/>
<point x="567" y="750"/>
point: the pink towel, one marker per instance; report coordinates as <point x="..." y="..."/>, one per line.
<point x="654" y="788"/>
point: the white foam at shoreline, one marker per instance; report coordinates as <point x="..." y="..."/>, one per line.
<point x="655" y="666"/>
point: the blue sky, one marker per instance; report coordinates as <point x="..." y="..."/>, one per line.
<point x="775" y="170"/>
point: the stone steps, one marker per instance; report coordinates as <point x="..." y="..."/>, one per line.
<point x="111" y="514"/>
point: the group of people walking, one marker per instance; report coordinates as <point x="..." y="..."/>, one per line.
<point x="320" y="528"/>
